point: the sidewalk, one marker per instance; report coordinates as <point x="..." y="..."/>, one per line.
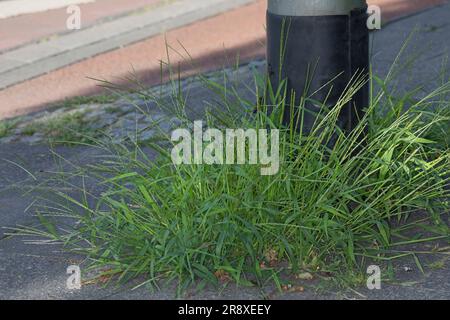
<point x="39" y="271"/>
<point x="30" y="28"/>
<point x="52" y="72"/>
<point x="18" y="65"/>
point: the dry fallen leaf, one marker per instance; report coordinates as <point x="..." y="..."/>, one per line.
<point x="103" y="279"/>
<point x="222" y="276"/>
<point x="286" y="287"/>
<point x="297" y="289"/>
<point x="271" y="255"/>
<point x="290" y="288"/>
<point x="304" y="276"/>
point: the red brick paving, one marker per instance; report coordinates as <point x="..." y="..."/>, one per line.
<point x="17" y="31"/>
<point x="211" y="43"/>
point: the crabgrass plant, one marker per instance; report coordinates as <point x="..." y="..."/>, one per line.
<point x="330" y="209"/>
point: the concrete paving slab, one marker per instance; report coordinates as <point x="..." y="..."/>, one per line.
<point x="8" y="64"/>
<point x="12" y="8"/>
<point x="425" y="53"/>
<point x="40" y="272"/>
<point x="28" y="55"/>
<point x="22" y="168"/>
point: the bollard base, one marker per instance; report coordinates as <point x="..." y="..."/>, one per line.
<point x="310" y="51"/>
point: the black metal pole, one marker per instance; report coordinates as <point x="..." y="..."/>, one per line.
<point x="310" y="42"/>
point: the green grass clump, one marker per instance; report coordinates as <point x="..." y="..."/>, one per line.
<point x="65" y="129"/>
<point x="331" y="207"/>
<point x="81" y="100"/>
<point x="6" y="126"/>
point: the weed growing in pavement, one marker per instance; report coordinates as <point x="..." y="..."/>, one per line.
<point x="328" y="210"/>
<point x="6" y="126"/>
<point x="65" y="129"/>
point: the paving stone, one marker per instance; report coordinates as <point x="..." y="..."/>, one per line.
<point x="34" y="139"/>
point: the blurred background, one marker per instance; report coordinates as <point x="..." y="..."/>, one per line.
<point x="51" y="49"/>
